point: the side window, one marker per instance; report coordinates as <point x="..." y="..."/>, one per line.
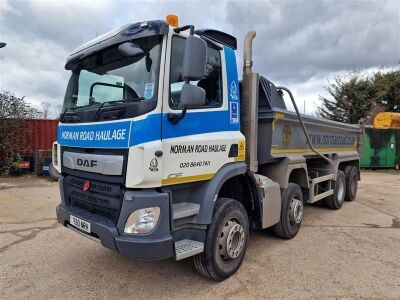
<point x="211" y="83"/>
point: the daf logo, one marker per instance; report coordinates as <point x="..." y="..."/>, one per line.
<point x="86" y="162"/>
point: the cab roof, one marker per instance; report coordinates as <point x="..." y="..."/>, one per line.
<point x="117" y="36"/>
<point x="138" y="30"/>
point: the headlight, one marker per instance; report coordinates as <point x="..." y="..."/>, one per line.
<point x="142" y="220"/>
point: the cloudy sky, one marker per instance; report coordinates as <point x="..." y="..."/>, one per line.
<point x="299" y="44"/>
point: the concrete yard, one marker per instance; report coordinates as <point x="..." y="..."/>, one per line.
<point x="350" y="253"/>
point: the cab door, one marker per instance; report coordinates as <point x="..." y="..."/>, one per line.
<point x="196" y="147"/>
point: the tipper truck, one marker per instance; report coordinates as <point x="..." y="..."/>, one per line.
<point x="164" y="153"/>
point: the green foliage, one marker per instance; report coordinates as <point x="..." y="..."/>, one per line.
<point x="359" y="95"/>
<point x="387" y="86"/>
<point x="12" y="166"/>
<point x="13" y="111"/>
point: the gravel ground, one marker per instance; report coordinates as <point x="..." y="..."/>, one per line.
<point x="350" y="253"/>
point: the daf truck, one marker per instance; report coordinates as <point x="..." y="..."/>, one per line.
<point x="164" y="152"/>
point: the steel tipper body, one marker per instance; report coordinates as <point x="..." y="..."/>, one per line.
<point x="162" y="155"/>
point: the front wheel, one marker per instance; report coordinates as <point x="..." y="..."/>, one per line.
<point x="226" y="241"/>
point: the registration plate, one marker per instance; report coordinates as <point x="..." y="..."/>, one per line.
<point x="79" y="223"/>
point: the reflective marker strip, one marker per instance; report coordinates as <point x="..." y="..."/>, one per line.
<point x="277" y="151"/>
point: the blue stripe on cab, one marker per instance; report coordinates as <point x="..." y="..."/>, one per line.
<point x="232" y="88"/>
<point x="96" y="135"/>
<point x="197" y="123"/>
<point x="146" y="130"/>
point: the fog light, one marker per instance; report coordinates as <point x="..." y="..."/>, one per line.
<point x="142" y="220"/>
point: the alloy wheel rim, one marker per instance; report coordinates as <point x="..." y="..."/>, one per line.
<point x="295" y="211"/>
<point x="231" y="240"/>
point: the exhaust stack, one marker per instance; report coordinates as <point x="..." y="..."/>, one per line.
<point x="249" y="106"/>
<point x="248" y="51"/>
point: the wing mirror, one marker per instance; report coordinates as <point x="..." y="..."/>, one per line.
<point x="194" y="69"/>
<point x="194" y="59"/>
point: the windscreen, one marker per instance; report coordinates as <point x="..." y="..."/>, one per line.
<point x="112" y="75"/>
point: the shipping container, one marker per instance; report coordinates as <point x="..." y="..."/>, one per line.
<point x="381" y="148"/>
<point x="39" y="135"/>
<point x="33" y="136"/>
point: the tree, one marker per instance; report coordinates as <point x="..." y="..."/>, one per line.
<point x="12" y="107"/>
<point x="46" y="109"/>
<point x="387" y="87"/>
<point x="58" y="110"/>
<point x="13" y="111"/>
<point x="360" y="96"/>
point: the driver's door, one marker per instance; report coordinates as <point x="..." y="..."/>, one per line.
<point x="198" y="145"/>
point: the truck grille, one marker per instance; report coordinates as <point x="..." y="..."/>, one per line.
<point x="89" y="198"/>
<point x="102" y="198"/>
<point x="93" y="186"/>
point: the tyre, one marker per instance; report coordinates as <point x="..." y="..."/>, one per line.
<point x="226" y="241"/>
<point x="291" y="212"/>
<point x="351" y="175"/>
<point x="336" y="200"/>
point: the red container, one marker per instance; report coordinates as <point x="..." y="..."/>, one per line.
<point x="33" y="135"/>
<point x="39" y="135"/>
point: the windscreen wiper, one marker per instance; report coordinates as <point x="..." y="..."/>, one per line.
<point x="97" y="114"/>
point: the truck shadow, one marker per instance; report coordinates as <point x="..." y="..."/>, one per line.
<point x="106" y="269"/>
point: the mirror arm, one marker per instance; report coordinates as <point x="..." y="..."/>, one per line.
<point x="175" y="118"/>
<point x="183" y="28"/>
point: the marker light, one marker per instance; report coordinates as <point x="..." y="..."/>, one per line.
<point x="142" y="220"/>
<point x="172" y="20"/>
<point x="54" y="154"/>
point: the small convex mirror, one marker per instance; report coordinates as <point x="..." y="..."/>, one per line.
<point x="192" y="96"/>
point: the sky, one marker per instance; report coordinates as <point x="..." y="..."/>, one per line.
<point x="302" y="45"/>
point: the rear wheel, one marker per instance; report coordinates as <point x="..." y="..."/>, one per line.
<point x="226" y="241"/>
<point x="351" y="175"/>
<point x="335" y="201"/>
<point x="291" y="212"/>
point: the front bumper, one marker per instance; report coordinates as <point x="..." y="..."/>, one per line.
<point x="156" y="245"/>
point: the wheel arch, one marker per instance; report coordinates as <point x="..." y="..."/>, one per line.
<point x="354" y="163"/>
<point x="299" y="176"/>
<point x="243" y="188"/>
<point x="206" y="194"/>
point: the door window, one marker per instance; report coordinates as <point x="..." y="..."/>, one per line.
<point x="211" y="83"/>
